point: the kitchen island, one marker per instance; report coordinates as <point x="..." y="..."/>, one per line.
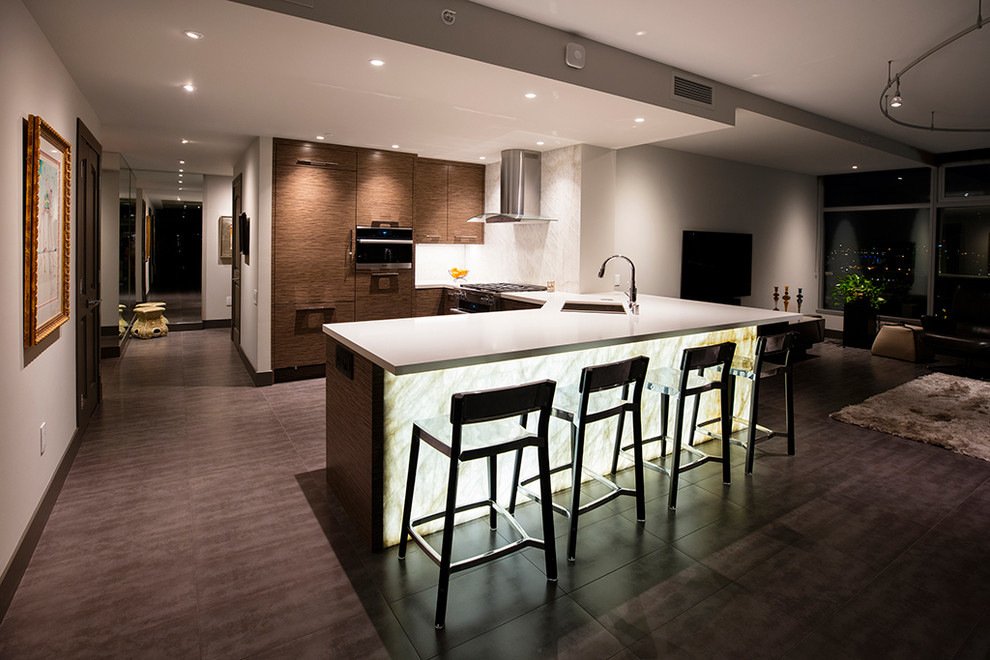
<point x="382" y="375"/>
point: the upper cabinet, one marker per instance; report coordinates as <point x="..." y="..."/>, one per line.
<point x="446" y="194"/>
<point x="385" y="188"/>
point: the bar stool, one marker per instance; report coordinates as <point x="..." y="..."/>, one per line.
<point x="774" y="355"/>
<point x="689" y="381"/>
<point x="595" y="399"/>
<point x="479" y="427"/>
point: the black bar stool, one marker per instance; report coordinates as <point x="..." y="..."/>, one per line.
<point x="596" y="399"/>
<point x="464" y="437"/>
<point x="774" y="355"/>
<point x="688" y="381"/>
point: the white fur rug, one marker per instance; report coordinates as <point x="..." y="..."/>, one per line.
<point x="943" y="410"/>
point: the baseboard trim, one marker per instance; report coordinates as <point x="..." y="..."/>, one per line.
<point x="289" y="374"/>
<point x="216" y="323"/>
<point x="260" y="379"/>
<point x="29" y="543"/>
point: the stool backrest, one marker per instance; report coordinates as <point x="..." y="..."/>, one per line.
<point x="503" y="402"/>
<point x="608" y="376"/>
<point x="704" y="357"/>
<point x="776" y="348"/>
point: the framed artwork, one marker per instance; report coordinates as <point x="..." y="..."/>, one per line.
<point x="226" y="238"/>
<point x="147" y="238"/>
<point x="47" y="181"/>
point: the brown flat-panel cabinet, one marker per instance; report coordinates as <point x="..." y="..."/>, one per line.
<point x="385" y="188"/>
<point x="297" y="331"/>
<point x="428" y="302"/>
<point x="430" y="205"/>
<point x="465" y="199"/>
<point x="315" y="206"/>
<point x="386" y="294"/>
<point x="446" y="194"/>
<point x="313" y="224"/>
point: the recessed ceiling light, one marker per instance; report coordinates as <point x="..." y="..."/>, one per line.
<point x="855" y="167"/>
<point x="182" y="162"/>
<point x="181" y="170"/>
<point x="639" y="120"/>
<point x="376" y="62"/>
<point x="530" y="95"/>
<point x="482" y="158"/>
<point x="192" y="34"/>
<point x="641" y="33"/>
<point x="395" y="146"/>
<point x="319" y="137"/>
<point x="185" y="141"/>
<point x="539" y="143"/>
<point x="180" y="187"/>
<point x="189" y="87"/>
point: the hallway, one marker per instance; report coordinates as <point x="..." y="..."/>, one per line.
<point x="194" y="523"/>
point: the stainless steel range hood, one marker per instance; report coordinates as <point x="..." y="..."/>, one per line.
<point x="520" y="201"/>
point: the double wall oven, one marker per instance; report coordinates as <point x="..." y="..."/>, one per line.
<point x="474" y="298"/>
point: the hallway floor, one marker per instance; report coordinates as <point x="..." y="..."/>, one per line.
<point x="195" y="523"/>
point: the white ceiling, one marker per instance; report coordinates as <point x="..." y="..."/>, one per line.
<point x="262" y="73"/>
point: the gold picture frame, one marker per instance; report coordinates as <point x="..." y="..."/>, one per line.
<point x="47" y="183"/>
<point x="226" y="239"/>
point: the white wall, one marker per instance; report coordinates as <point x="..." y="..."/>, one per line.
<point x="661" y="192"/>
<point x="37" y="385"/>
<point x="255" y="168"/>
<point x="217" y="201"/>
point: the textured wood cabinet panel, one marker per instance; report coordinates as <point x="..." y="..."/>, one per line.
<point x="313" y="224"/>
<point x="430" y="202"/>
<point x="290" y="152"/>
<point x="385" y="188"/>
<point x="355" y="414"/>
<point x="297" y="331"/>
<point x="465" y="199"/>
<point x="428" y="302"/>
<point x="386" y="294"/>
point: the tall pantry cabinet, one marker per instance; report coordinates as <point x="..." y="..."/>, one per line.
<point x="315" y="209"/>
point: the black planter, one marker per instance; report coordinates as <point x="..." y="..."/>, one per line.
<point x="859" y="323"/>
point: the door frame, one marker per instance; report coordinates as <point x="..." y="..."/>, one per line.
<point x="87" y="277"/>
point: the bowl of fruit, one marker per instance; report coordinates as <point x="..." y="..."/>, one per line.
<point x="458" y="273"/>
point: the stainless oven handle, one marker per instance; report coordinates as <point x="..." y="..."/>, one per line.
<point x="455" y="310"/>
<point x="389" y="274"/>
<point x="390" y="241"/>
<point x="350" y="247"/>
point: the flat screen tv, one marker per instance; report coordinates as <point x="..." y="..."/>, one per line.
<point x="716" y="266"/>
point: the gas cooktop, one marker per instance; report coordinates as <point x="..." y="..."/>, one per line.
<point x="502" y="287"/>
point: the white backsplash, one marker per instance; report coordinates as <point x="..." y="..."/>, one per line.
<point x="528" y="253"/>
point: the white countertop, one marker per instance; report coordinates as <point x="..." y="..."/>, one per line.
<point x="429" y="343"/>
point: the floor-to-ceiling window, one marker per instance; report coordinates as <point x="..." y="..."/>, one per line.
<point x="878" y="224"/>
<point x="963" y="231"/>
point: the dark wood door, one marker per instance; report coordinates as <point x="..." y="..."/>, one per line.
<point x="235" y="268"/>
<point x="87" y="247"/>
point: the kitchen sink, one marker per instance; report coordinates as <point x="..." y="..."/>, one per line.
<point x="594" y="306"/>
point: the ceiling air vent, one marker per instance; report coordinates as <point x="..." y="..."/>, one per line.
<point x="693" y="91"/>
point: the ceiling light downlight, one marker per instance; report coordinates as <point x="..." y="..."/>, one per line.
<point x="192" y="34"/>
<point x="376" y="62"/>
<point x="189" y="87"/>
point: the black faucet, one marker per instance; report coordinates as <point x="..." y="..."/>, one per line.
<point x="633" y="305"/>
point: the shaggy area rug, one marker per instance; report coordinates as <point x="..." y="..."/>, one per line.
<point x="943" y="410"/>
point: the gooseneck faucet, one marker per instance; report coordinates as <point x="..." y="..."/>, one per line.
<point x="633" y="305"/>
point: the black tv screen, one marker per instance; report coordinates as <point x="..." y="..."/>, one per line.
<point x="716" y="266"/>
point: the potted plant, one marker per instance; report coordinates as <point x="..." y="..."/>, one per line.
<point x="860" y="298"/>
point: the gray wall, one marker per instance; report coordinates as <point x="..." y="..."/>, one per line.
<point x="661" y="192"/>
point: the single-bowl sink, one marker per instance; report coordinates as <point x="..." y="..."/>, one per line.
<point x="594" y="306"/>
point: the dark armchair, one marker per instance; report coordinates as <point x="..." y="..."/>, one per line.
<point x="965" y="331"/>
